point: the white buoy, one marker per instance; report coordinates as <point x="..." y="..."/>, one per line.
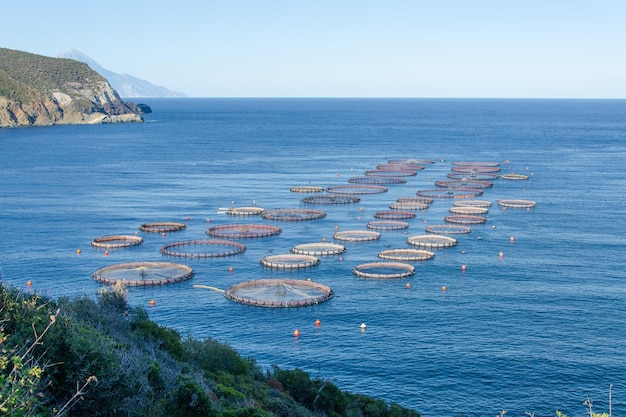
<point x="363" y="326"/>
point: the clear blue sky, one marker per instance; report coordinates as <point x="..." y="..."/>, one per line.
<point x="335" y="48"/>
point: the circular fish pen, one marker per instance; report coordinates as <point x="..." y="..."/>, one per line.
<point x="245" y="211"/>
<point x="293" y="215"/>
<point x="137" y="274"/>
<point x="318" y="249"/>
<point x="450" y="193"/>
<point x="243" y="231"/>
<point x="415" y="199"/>
<point x="289" y="261"/>
<point x="387" y="225"/>
<point x="377" y="180"/>
<point x="464" y="183"/>
<point x="383" y="270"/>
<point x="356" y="235"/>
<point x="432" y="241"/>
<point x="485" y="176"/>
<point x="411" y="161"/>
<point x="475" y="169"/>
<point x="388" y="173"/>
<point x="468" y="210"/>
<point x="306" y="189"/>
<point x="394" y="214"/>
<point x="514" y="177"/>
<point x="409" y="205"/>
<point x="114" y="242"/>
<point x="400" y="167"/>
<point x="464" y="219"/>
<point x="474" y="163"/>
<point x="406" y="255"/>
<point x="472" y="203"/>
<point x="203" y="248"/>
<point x="279" y="293"/>
<point x="523" y="204"/>
<point x="356" y="189"/>
<point x="331" y="199"/>
<point x="162" y="227"/>
<point x="448" y="229"/>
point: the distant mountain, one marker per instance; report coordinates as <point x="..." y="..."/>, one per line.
<point x="36" y="90"/>
<point x="126" y="85"/>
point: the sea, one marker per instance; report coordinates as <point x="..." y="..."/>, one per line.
<point x="525" y="314"/>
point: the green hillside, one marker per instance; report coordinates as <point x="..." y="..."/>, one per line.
<point x="25" y="76"/>
<point x="101" y="357"/>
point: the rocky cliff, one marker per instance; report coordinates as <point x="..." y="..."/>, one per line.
<point x="37" y="91"/>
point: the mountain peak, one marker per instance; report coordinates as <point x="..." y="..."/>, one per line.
<point x="126" y="85"/>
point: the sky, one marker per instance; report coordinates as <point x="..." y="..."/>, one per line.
<point x="340" y="48"/>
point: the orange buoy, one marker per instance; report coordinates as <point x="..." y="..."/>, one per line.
<point x="408" y="285"/>
<point x="360" y="208"/>
<point x="512" y="239"/>
<point x="501" y="255"/>
<point x="78" y="251"/>
<point x="317" y="323"/>
<point x="106" y="253"/>
<point x="163" y="234"/>
<point x="230" y="269"/>
<point x="341" y="258"/>
<point x="187" y="218"/>
<point x="296" y="333"/>
<point x="29" y="283"/>
<point x="152" y="302"/>
<point x="463" y="268"/>
<point x="443" y="288"/>
<point x="336" y="227"/>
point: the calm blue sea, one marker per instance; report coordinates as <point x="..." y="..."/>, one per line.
<point x="539" y="328"/>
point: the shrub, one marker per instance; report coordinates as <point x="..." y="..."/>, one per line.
<point x="212" y="357"/>
<point x="190" y="400"/>
<point x="297" y="384"/>
<point x="167" y="339"/>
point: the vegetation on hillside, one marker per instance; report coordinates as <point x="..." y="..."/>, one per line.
<point x="100" y="357"/>
<point x="25" y="76"/>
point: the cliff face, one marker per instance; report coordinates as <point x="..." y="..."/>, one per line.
<point x="40" y="91"/>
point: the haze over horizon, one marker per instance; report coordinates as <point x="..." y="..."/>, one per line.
<point x="482" y="49"/>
